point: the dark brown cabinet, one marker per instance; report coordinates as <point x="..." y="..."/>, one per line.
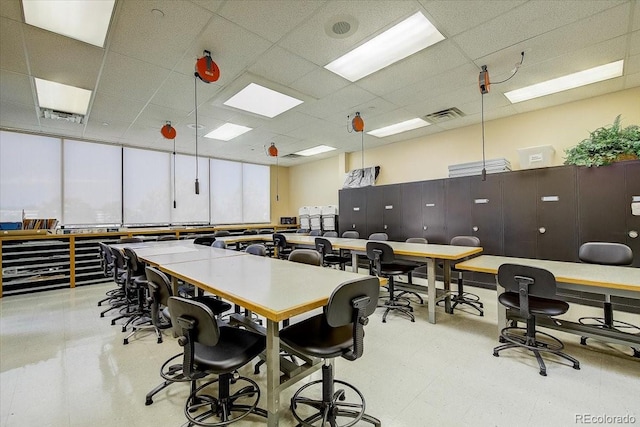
<point x="632" y="195"/>
<point x="486" y="213"/>
<point x="353" y="210"/>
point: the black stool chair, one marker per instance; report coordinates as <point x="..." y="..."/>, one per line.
<point x="337" y="332"/>
<point x="463" y="297"/>
<point x="605" y="253"/>
<point x="329" y="257"/>
<point x="210" y="349"/>
<point x="383" y="263"/>
<point x="532" y="292"/>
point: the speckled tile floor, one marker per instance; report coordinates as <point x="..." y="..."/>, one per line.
<point x="62" y="365"/>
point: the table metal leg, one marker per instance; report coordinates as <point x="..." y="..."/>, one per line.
<point x="273" y="373"/>
<point x="502" y="310"/>
<point x="447" y="286"/>
<point x="431" y="290"/>
<point x="354" y="261"/>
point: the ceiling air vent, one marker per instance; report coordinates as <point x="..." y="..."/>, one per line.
<point x="444" y="115"/>
<point x="291" y="156"/>
<point x="61" y="115"/>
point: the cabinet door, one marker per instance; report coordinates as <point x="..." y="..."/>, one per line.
<point x="519" y="214"/>
<point x="557" y="213"/>
<point x="433" y="212"/>
<point x="354" y="200"/>
<point x="602" y="204"/>
<point x="375" y="211"/>
<point x="458" y="207"/>
<point x="412" y="205"/>
<point x="392" y="212"/>
<point x="486" y="212"/>
<point x="345" y="207"/>
<point x="632" y="189"/>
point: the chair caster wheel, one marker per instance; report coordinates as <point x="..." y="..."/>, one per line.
<point x="583" y="340"/>
<point x="113" y="322"/>
<point x="481" y="314"/>
<point x="495" y="353"/>
<point x="159" y="341"/>
<point x="636" y="352"/>
<point x="256" y="371"/>
<point x="413" y="320"/>
<point x="543" y="373"/>
<point x="502" y="340"/>
<point x="124" y="329"/>
<point x="576" y="367"/>
<point x="125" y="342"/>
<point x="101" y="314"/>
<point x="148" y="402"/>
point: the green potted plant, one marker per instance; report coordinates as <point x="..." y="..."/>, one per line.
<point x="606" y="145"/>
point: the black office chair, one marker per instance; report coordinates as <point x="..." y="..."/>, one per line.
<point x="302" y="231"/>
<point x="463" y="297"/>
<point x="379" y="237"/>
<point x="220" y="244"/>
<point x="250" y="232"/>
<point x="281" y="246"/>
<point x="136" y="284"/>
<point x="126" y="305"/>
<point x="204" y="240"/>
<point x="160" y="291"/>
<point x="167" y="238"/>
<point x="330" y="234"/>
<point x="256" y="249"/>
<point x="415" y="266"/>
<point x="337" y="332"/>
<point x="130" y="240"/>
<point x="383" y="263"/>
<point x="350" y="234"/>
<point x="315" y="233"/>
<point x="328" y="256"/>
<point x="222" y="233"/>
<point x="532" y="292"/>
<point x="210" y="349"/>
<point x="605" y="253"/>
<point x="306" y="256"/>
<point x="107" y="266"/>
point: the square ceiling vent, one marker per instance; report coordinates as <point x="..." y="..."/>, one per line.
<point x="444" y="115"/>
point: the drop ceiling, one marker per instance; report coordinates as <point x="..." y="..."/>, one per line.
<point x="144" y="75"/>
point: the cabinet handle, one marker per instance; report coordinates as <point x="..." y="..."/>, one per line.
<point x="633" y="234"/>
<point x="424" y="227"/>
<point x="385" y="226"/>
<point x="353" y="226"/>
<point x="475" y="228"/>
<point x="542" y="230"/>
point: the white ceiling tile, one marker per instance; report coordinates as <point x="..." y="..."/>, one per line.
<point x="347" y="98"/>
<point x="12" y="52"/>
<point x="107" y="107"/>
<point x="210" y="5"/>
<point x="112" y="131"/>
<point x="19" y="116"/>
<point x="270" y="66"/>
<point x="177" y="92"/>
<point x="270" y="19"/>
<point x="155" y="38"/>
<point x="636" y="17"/>
<point x="320" y="83"/>
<point x="79" y="66"/>
<point x="128" y="77"/>
<point x="634" y="43"/>
<point x="156" y="115"/>
<point x="16" y="88"/>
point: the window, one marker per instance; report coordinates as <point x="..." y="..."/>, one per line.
<point x="147" y="187"/>
<point x="191" y="208"/>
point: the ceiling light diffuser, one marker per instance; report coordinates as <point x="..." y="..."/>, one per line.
<point x="260" y="100"/>
<point x="406" y="38"/>
<point x="315" y="150"/>
<point x="59" y="97"/>
<point x="227" y="132"/>
<point x="399" y="127"/>
<point x="570" y="81"/>
<point x="87" y="21"/>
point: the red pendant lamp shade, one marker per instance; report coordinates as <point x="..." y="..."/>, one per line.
<point x="357" y="123"/>
<point x="273" y="150"/>
<point x="206" y="69"/>
<point x="168" y="131"/>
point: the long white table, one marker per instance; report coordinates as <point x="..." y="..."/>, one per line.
<point x="421" y="252"/>
<point x="272" y="288"/>
<point x="599" y="279"/>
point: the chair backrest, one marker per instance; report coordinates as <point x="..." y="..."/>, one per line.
<point x="351" y="303"/>
<point x="465" y="241"/>
<point x="330" y="234"/>
<point x="378" y="251"/>
<point x="159" y="291"/>
<point x="379" y="237"/>
<point x="167" y="237"/>
<point x="134" y="266"/>
<point x="204" y="240"/>
<point x="351" y="234"/>
<point x="221" y="233"/>
<point x="256" y="249"/>
<point x="605" y="253"/>
<point x="219" y="244"/>
<point x="130" y="240"/>
<point x="302" y="231"/>
<point x="315" y="233"/>
<point x="265" y="231"/>
<point x="323" y="246"/>
<point x="523" y="279"/>
<point x="306" y="256"/>
<point x="119" y="261"/>
<point x="417" y="240"/>
<point x="279" y="240"/>
<point x="106" y="258"/>
<point x="250" y="232"/>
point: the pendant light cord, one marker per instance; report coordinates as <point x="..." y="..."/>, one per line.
<point x="195" y="97"/>
<point x="174" y="173"/>
<point x="484" y="170"/>
<point x="362" y="152"/>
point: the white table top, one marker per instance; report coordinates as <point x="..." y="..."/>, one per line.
<point x="207" y="253"/>
<point x="273" y="288"/>
<point x="608" y="276"/>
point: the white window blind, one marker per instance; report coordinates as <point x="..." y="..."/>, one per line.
<point x="190" y="207"/>
<point x="226" y="191"/>
<point x="92" y="183"/>
<point x="256" y="193"/>
<point x="147" y="187"/>
<point x="30" y="177"/>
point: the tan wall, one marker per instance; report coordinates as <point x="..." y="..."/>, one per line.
<point x="280" y="194"/>
<point x="428" y="157"/>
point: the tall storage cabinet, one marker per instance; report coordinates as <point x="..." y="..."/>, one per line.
<point x="384" y="211"/>
<point x="353" y="210"/>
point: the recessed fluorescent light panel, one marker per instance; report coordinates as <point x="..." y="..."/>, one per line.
<point x="260" y="100"/>
<point x="315" y="150"/>
<point x="227" y="132"/>
<point x="399" y="127"/>
<point x="87" y="21"/>
<point x="56" y="96"/>
<point x="571" y="81"/>
<point x="406" y="38"/>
